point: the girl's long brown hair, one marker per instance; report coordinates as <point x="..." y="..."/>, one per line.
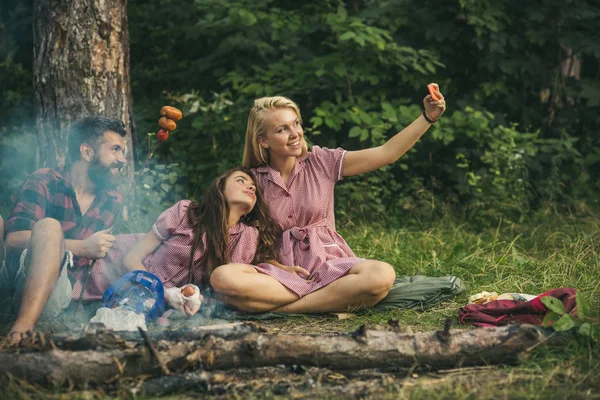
<point x="209" y="220"/>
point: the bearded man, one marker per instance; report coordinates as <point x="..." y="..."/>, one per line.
<point x="61" y="223"/>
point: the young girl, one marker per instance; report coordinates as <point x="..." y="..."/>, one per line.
<point x="299" y="190"/>
<point x="189" y="240"/>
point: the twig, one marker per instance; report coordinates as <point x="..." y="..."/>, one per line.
<point x="150" y="156"/>
<point x="544" y="340"/>
<point x="444" y="336"/>
<point x="120" y="368"/>
<point x="88" y="272"/>
<point x="153" y="351"/>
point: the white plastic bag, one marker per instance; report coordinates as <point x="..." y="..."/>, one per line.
<point x="176" y="299"/>
<point x="120" y="319"/>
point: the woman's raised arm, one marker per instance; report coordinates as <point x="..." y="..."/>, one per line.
<point x="361" y="161"/>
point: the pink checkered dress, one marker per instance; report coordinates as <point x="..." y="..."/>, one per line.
<point x="171" y="259"/>
<point x="304" y="211"/>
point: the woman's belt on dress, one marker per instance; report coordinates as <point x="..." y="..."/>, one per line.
<point x="299" y="235"/>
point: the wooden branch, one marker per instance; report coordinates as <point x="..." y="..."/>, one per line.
<point x="152" y="349"/>
<point x="362" y="349"/>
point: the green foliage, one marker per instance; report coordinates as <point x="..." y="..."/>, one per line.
<point x="509" y="142"/>
<point x="521" y="82"/>
<point x="17" y="155"/>
<point x="559" y="320"/>
<point x="156" y="189"/>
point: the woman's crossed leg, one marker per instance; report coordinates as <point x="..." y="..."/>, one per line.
<point x="244" y="288"/>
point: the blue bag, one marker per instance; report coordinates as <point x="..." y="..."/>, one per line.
<point x="139" y="291"/>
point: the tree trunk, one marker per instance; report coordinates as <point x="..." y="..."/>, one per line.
<point x="81" y="68"/>
<point x="101" y="361"/>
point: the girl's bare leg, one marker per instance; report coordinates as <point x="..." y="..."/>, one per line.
<point x="242" y="287"/>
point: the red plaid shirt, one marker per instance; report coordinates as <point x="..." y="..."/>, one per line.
<point x="48" y="193"/>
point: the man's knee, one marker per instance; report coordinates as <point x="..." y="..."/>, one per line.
<point x="46" y="235"/>
<point x="47" y="226"/>
<point x="47" y="230"/>
<point x="381" y="277"/>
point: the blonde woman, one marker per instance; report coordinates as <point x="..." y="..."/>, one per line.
<point x="299" y="189"/>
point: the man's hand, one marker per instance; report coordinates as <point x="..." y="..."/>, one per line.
<point x="97" y="245"/>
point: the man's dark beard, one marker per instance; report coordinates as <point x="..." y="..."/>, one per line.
<point x="101" y="175"/>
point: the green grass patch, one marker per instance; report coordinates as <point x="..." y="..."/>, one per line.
<point x="556" y="251"/>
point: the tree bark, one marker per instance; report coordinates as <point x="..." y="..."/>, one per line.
<point x="362" y="349"/>
<point x="81" y="68"/>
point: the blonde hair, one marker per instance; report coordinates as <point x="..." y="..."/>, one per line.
<point x="254" y="154"/>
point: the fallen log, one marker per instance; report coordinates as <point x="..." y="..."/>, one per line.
<point x="359" y="350"/>
<point x="94" y="338"/>
<point x="165" y="385"/>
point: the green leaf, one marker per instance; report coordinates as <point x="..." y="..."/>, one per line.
<point x="355" y="118"/>
<point x="342" y="13"/>
<point x="583" y="308"/>
<point x="550" y="319"/>
<point x="247" y="18"/>
<point x="355" y="131"/>
<point x="565" y="323"/>
<point x="330" y="123"/>
<point x="347" y="36"/>
<point x="389" y="112"/>
<point x="553" y="304"/>
<point x="366" y="118"/>
<point x="364" y="135"/>
<point x="430" y="67"/>
<point x="340" y="69"/>
<point x="316" y="121"/>
<point x="585" y="329"/>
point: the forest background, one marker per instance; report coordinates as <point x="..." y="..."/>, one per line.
<point x="521" y="81"/>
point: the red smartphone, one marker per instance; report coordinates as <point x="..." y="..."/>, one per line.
<point x="432" y="92"/>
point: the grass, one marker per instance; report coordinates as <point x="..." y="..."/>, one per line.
<point x="550" y="252"/>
